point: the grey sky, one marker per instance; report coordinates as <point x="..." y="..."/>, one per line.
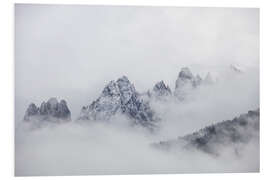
<point x="72" y="51"/>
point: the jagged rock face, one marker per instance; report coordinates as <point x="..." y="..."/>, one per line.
<point x="127" y="90"/>
<point x="106" y="105"/>
<point x="211" y="139"/>
<point x="185" y="73"/>
<point x="160" y="89"/>
<point x="120" y="97"/>
<point x="63" y="111"/>
<point x="31" y="110"/>
<point x="184" y="80"/>
<point x="185" y="83"/>
<point x="52" y="110"/>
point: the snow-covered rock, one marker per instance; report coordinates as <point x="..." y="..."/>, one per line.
<point x="50" y="111"/>
<point x="160" y="91"/>
<point x="120" y="97"/>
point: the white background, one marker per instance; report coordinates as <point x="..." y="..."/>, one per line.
<point x="7" y="82"/>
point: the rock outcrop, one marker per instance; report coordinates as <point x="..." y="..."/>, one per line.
<point x="160" y="91"/>
<point x="50" y="111"/>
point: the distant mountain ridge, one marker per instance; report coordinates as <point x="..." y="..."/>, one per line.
<point x="210" y="139"/>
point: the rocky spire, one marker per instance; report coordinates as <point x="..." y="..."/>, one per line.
<point x="32" y="110"/>
<point x="184" y="83"/>
<point x="160" y="90"/>
<point x="184" y="77"/>
<point x="185" y="73"/>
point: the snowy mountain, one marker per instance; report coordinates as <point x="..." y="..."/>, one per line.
<point x="159" y="92"/>
<point x="160" y="89"/>
<point x="50" y="111"/>
<point x="120" y="97"/>
<point x="214" y="138"/>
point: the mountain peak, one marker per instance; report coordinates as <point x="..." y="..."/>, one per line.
<point x="31" y="110"/>
<point x="52" y="101"/>
<point x="52" y="110"/>
<point x="123" y="78"/>
<point x="185" y="82"/>
<point x="159" y="85"/>
<point x="161" y="90"/>
<point x="185" y="73"/>
<point x="120" y="97"/>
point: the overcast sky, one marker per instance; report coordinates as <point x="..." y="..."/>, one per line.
<point x="72" y="51"/>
